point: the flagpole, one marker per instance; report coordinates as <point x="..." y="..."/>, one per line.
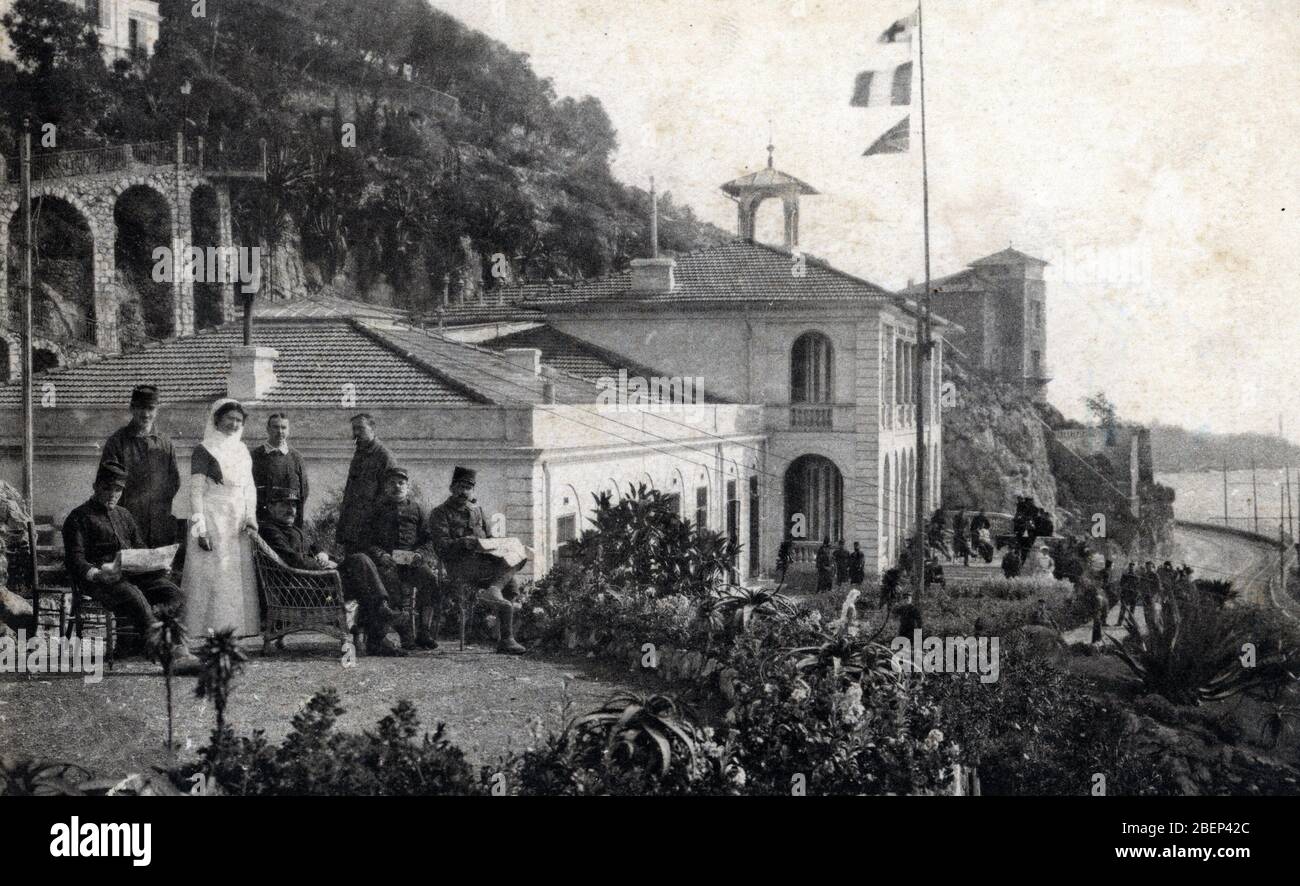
<point x="922" y="338"/>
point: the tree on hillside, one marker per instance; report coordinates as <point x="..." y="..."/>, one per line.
<point x="1104" y="411"/>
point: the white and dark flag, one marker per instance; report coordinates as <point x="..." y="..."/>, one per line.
<point x="889" y="84"/>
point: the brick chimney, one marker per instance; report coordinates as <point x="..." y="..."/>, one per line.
<point x="653" y="274"/>
<point x="525" y="358"/>
<point x="252" y="372"/>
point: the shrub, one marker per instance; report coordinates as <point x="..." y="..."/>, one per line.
<point x="315" y="759"/>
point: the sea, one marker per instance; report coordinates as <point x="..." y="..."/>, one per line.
<point x="1199" y="497"/>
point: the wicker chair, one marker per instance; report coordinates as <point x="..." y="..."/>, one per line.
<point x="301" y="600"/>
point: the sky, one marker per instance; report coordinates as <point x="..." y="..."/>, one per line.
<point x="1146" y="148"/>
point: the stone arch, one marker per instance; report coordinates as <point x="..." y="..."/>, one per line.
<point x="44" y="359"/>
<point x="144" y="220"/>
<point x="60" y="218"/>
<point x="812" y="368"/>
<point x="210" y="228"/>
<point x="814" y="487"/>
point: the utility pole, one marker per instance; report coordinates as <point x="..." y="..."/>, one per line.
<point x="1254" y="493"/>
<point x="29" y="432"/>
<point x="922" y="338"/>
<point x="1225" y="491"/>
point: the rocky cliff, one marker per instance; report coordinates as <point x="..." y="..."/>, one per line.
<point x="994" y="445"/>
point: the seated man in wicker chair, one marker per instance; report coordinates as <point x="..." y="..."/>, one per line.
<point x="281" y="533"/>
<point x="457" y="525"/>
<point x="93" y="535"/>
<point x="398" y="554"/>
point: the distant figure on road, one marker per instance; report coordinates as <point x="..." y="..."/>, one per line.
<point x="1128" y="592"/>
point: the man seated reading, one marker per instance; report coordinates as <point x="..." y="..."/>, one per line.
<point x="457" y="525"/>
<point x="93" y="535"/>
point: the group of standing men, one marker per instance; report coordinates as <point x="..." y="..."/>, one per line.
<point x="131" y="508"/>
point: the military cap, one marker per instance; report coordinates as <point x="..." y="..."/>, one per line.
<point x="280" y="493"/>
<point x="112" y="473"/>
<point x="463" y="475"/>
<point x="144" y="395"/>
<point x="396" y="472"/>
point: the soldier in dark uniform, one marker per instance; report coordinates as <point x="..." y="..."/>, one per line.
<point x="857" y="565"/>
<point x="152" y="478"/>
<point x="825" y="567"/>
<point x="281" y="533"/>
<point x="278" y="466"/>
<point x="290" y="544"/>
<point x="365" y="484"/>
<point x="1128" y="592"/>
<point x="93" y="535"/>
<point x="398" y="524"/>
<point x="841" y="564"/>
<point x="455" y="525"/>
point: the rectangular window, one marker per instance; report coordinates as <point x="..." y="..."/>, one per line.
<point x="566" y="528"/>
<point x="133" y="34"/>
<point x="702" y="507"/>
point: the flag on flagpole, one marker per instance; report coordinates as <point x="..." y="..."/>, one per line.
<point x="896" y="141"/>
<point x="878" y="89"/>
<point x="901" y="30"/>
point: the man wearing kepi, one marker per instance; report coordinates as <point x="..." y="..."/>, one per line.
<point x="457" y="525"/>
<point x="152" y="478"/>
<point x="401" y="549"/>
<point x="276" y="465"/>
<point x="93" y="535"/>
<point x="365" y="484"/>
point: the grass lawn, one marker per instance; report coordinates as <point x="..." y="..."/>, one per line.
<point x="119" y="726"/>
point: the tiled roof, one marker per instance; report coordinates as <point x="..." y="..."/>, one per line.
<point x="767" y="178"/>
<point x="317" y="358"/>
<point x="485" y="372"/>
<point x="739" y="271"/>
<point x="577" y="357"/>
<point x="1008" y="256"/>
<point x="968" y="280"/>
<point x="320" y="307"/>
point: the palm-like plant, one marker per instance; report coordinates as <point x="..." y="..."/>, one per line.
<point x="1190" y="649"/>
<point x="633" y="726"/>
<point x="740" y="605"/>
<point x="25" y="777"/>
<point x="165" y="636"/>
<point x="844" y="655"/>
<point x="220" y="659"/>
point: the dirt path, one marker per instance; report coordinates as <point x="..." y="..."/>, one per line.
<point x="119" y="725"/>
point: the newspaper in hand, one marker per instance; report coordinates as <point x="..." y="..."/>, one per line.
<point x="134" y="561"/>
<point x="404" y="558"/>
<point x="511" y="550"/>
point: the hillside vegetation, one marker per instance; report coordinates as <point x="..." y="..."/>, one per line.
<point x="461" y="151"/>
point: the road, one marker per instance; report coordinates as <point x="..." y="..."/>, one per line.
<point x="1250" y="565"/>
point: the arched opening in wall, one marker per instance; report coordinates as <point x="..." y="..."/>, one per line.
<point x="811" y="360"/>
<point x="814" y="488"/>
<point x="205" y="231"/>
<point x="63" y="271"/>
<point x="44" y="359"/>
<point x="142" y="223"/>
<point x="769" y="222"/>
<point x="886" y="520"/>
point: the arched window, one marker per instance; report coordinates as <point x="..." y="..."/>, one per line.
<point x="810" y="369"/>
<point x="815" y="489"/>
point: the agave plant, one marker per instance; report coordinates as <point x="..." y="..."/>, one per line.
<point x="1189" y="650"/>
<point x="165" y="635"/>
<point x="633" y="725"/>
<point x="841" y="654"/>
<point x="25" y="777"/>
<point x="739" y="605"/>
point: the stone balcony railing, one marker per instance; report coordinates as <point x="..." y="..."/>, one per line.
<point x="812" y="417"/>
